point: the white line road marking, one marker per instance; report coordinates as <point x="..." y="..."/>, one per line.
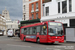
<point x="18" y="45"/>
<point x="52" y="49"/>
<point x="49" y="48"/>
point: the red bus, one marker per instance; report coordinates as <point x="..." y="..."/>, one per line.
<point x="44" y="32"/>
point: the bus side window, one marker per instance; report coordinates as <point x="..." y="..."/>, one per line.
<point x="38" y="29"/>
<point x="30" y="30"/>
<point x="25" y="31"/>
<point x="22" y="31"/>
<point x="34" y="30"/>
<point x="44" y="30"/>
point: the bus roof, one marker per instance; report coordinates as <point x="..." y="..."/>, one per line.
<point x="36" y="24"/>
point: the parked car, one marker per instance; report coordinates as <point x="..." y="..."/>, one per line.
<point x="1" y="33"/>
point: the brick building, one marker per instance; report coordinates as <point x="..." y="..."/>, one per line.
<point x="35" y="9"/>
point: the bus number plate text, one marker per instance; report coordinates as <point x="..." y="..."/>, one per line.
<point x="56" y="42"/>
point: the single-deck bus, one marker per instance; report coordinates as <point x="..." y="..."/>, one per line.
<point x="44" y="32"/>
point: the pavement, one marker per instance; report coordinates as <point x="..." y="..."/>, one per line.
<point x="14" y="43"/>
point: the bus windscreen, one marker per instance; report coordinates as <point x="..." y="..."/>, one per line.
<point x="55" y="29"/>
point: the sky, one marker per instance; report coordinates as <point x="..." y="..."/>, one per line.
<point x="14" y="7"/>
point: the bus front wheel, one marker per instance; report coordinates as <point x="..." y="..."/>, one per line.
<point x="38" y="40"/>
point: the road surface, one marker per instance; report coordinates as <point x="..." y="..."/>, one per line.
<point x="14" y="43"/>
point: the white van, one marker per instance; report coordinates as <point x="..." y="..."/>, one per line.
<point x="10" y="33"/>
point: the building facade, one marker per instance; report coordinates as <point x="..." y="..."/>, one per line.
<point x="60" y="10"/>
<point x="35" y="9"/>
<point x="25" y="10"/>
<point x="5" y="13"/>
<point x="13" y="25"/>
<point x="2" y="25"/>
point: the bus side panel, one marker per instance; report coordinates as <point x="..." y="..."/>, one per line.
<point x="34" y="38"/>
<point x="43" y="38"/>
<point x="28" y="38"/>
<point x="21" y="36"/>
<point x="31" y="38"/>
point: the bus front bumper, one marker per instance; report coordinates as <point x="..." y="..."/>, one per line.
<point x="56" y="41"/>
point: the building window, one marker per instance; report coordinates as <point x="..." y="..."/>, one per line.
<point x="47" y="11"/>
<point x="36" y="5"/>
<point x="58" y="7"/>
<point x="36" y="15"/>
<point x="32" y="16"/>
<point x="24" y="7"/>
<point x="32" y="6"/>
<point x="70" y="5"/>
<point x="64" y="6"/>
<point x="24" y="17"/>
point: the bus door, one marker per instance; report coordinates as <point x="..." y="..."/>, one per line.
<point x="43" y="33"/>
<point x="22" y="33"/>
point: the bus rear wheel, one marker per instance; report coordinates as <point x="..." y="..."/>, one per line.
<point x="24" y="39"/>
<point x="38" y="40"/>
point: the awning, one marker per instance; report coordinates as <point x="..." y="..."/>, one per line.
<point x="29" y="21"/>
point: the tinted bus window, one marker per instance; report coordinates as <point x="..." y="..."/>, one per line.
<point x="38" y="29"/>
<point x="34" y="30"/>
<point x="25" y="31"/>
<point x="31" y="30"/>
<point x="28" y="31"/>
<point x="22" y="30"/>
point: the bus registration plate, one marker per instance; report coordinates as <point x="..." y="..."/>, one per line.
<point x="56" y="41"/>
